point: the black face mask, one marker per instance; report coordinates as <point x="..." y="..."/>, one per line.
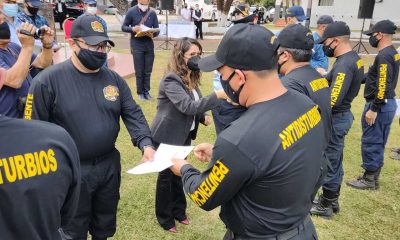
<point x="90" y="59"/>
<point x="234" y="96"/>
<point x="193" y="63"/>
<point x="373" y="41"/>
<point x="4" y="31"/>
<point x="33" y="10"/>
<point x="329" y="52"/>
<point x="280" y="64"/>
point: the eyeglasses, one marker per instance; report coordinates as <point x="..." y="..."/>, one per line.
<point x="102" y="47"/>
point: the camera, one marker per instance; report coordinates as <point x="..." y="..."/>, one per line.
<point x="39" y="33"/>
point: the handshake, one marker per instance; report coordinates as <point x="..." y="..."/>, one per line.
<point x="27" y="33"/>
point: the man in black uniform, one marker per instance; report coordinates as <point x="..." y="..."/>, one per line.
<point x="295" y="51"/>
<point x="260" y="172"/>
<point x="39" y="179"/>
<point x="345" y="79"/>
<point x="88" y="101"/>
<point x="380" y="107"/>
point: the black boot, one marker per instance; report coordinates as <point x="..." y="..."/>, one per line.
<point x="335" y="203"/>
<point x="324" y="206"/>
<point x="365" y="182"/>
<point x="376" y="178"/>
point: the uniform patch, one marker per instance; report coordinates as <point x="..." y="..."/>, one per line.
<point x="360" y="63"/>
<point x="97" y="26"/>
<point x="397" y="57"/>
<point x="273" y="38"/>
<point x="111" y="93"/>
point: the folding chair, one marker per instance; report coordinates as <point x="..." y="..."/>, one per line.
<point x="67" y="25"/>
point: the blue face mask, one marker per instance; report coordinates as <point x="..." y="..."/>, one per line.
<point x="10" y="9"/>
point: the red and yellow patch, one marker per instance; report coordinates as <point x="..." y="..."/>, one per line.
<point x="111" y="93"/>
<point x="97" y="26"/>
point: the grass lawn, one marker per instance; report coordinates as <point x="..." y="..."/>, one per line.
<point x="364" y="214"/>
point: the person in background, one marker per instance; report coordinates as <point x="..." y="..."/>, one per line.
<point x="319" y="60"/>
<point x="180" y="109"/>
<point x="90" y="7"/>
<point x="228" y="111"/>
<point x="197" y="16"/>
<point x="142" y="48"/>
<point x="295" y="15"/>
<point x="345" y="80"/>
<point x="61" y="11"/>
<point x="18" y="60"/>
<point x="9" y="9"/>
<point x="186" y="13"/>
<point x="380" y="107"/>
<point x="30" y="14"/>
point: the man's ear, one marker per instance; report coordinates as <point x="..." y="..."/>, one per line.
<point x="71" y="43"/>
<point x="242" y="77"/>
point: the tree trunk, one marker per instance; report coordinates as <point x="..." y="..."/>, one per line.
<point x="277" y="10"/>
<point x="222" y="19"/>
<point x="121" y="5"/>
<point x="223" y="8"/>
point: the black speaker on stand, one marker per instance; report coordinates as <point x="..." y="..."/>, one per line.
<point x="365" y="11"/>
<point x="166" y="5"/>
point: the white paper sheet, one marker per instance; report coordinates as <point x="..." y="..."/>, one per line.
<point x="162" y="159"/>
<point x="398" y="107"/>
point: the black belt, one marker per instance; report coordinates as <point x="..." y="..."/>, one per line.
<point x="286" y="235"/>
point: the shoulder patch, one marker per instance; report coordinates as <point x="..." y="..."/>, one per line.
<point x="360" y="63"/>
<point x="396" y="57"/>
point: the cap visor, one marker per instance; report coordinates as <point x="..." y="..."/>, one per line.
<point x="247" y="19"/>
<point x="94" y="40"/>
<point x="209" y="63"/>
<point x="369" y="32"/>
<point x="36" y="4"/>
<point x="302" y="18"/>
<point x="320" y="41"/>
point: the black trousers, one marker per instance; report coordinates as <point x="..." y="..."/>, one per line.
<point x="98" y="200"/>
<point x="199" y="29"/>
<point x="61" y="19"/>
<point x="143" y="59"/>
<point x="170" y="198"/>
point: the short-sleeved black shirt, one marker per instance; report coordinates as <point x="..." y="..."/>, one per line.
<point x="345" y="80"/>
<point x="88" y="106"/>
<point x="39" y="179"/>
<point x="381" y="79"/>
<point x="308" y="81"/>
<point x="264" y="168"/>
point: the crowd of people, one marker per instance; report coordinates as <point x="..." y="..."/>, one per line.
<point x="62" y="179"/>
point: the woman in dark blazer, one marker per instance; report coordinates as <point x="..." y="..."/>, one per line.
<point x="180" y="109"/>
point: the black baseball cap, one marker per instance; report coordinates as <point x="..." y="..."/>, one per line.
<point x="247" y="19"/>
<point x="244" y="47"/>
<point x="90" y="29"/>
<point x="325" y="19"/>
<point x="296" y="36"/>
<point x="384" y="26"/>
<point x="335" y="29"/>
